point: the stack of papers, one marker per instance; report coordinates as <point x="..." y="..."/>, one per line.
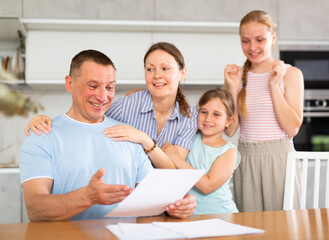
<point x="172" y="230"/>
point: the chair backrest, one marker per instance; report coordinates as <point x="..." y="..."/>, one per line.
<point x="318" y="159"/>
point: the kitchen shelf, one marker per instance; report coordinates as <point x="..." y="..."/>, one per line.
<point x="125" y="25"/>
<point x="10" y="27"/>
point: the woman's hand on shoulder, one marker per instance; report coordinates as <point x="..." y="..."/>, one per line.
<point x="39" y="123"/>
<point x="278" y="72"/>
<point x="126" y="133"/>
<point x="232" y="75"/>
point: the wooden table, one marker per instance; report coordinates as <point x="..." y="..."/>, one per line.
<point x="297" y="224"/>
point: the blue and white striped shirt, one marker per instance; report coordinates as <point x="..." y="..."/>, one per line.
<point x="137" y="110"/>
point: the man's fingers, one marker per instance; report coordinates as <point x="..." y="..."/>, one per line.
<point x="99" y="174"/>
<point x="116" y="193"/>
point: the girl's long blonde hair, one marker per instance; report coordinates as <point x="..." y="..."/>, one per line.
<point x="263" y="18"/>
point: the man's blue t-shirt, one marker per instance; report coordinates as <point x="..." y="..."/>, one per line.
<point x="74" y="151"/>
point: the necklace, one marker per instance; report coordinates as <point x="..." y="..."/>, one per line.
<point x="165" y="125"/>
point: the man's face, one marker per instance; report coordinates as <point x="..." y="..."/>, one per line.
<point x="92" y="88"/>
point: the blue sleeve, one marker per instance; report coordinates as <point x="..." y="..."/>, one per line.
<point x="186" y="134"/>
<point x="35" y="158"/>
<point x="115" y="109"/>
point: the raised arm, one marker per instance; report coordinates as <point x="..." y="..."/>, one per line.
<point x="219" y="173"/>
<point x="288" y="107"/>
<point x="39" y="123"/>
<point x="43" y="206"/>
<point x="232" y="75"/>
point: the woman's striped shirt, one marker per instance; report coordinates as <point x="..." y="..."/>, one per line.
<point x="137" y="110"/>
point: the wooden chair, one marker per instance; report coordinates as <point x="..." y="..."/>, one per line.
<point x="319" y="158"/>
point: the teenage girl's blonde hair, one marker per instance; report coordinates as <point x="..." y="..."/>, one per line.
<point x="221" y="94"/>
<point x="263" y="18"/>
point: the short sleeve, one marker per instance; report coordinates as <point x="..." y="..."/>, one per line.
<point x="35" y="158"/>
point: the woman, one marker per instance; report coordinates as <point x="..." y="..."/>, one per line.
<point x="269" y="96"/>
<point x="157" y="115"/>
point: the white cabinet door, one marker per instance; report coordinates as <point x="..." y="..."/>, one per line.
<point x="304" y="20"/>
<point x="205" y="54"/>
<point x="49" y="53"/>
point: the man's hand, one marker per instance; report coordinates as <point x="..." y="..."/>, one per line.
<point x="182" y="208"/>
<point x="105" y="194"/>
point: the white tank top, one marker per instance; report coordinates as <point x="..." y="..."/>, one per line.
<point x="261" y="123"/>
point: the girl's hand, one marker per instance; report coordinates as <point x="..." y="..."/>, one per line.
<point x="169" y="149"/>
<point x="39" y="122"/>
<point x="232" y="74"/>
<point x="173" y="153"/>
<point x="278" y="72"/>
<point x="127" y="133"/>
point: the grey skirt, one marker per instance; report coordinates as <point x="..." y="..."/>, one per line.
<point x="259" y="179"/>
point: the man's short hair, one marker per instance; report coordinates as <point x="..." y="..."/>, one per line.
<point x="89" y="56"/>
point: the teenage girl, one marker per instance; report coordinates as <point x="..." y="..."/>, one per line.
<point x="211" y="152"/>
<point x="269" y="96"/>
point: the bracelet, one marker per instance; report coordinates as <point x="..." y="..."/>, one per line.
<point x="151" y="149"/>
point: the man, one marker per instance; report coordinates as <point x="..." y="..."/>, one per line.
<point x="63" y="173"/>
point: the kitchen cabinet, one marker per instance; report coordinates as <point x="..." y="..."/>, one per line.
<point x="12" y="47"/>
<point x="82" y="9"/>
<point x="49" y="53"/>
<point x="210" y="10"/>
<point x="205" y="54"/>
<point x="10" y="8"/>
<point x="206" y="46"/>
<point x="158" y="10"/>
<point x="304" y="20"/>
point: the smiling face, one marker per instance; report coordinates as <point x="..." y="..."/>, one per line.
<point x="92" y="87"/>
<point x="162" y="74"/>
<point x="257" y="41"/>
<point x="213" y="118"/>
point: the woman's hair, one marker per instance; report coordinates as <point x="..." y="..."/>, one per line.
<point x="221" y="94"/>
<point x="263" y="18"/>
<point x="89" y="56"/>
<point x="173" y="51"/>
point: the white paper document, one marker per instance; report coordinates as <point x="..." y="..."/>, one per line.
<point x="172" y="230"/>
<point x="157" y="190"/>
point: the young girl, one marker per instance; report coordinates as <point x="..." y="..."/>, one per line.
<point x="269" y="96"/>
<point x="211" y="152"/>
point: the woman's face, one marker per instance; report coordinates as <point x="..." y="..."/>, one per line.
<point x="162" y="74"/>
<point x="257" y="41"/>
